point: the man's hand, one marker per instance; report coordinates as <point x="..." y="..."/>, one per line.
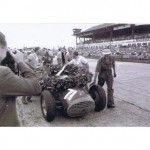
<point x="59" y="73"/>
<point x="94" y="82"/>
<point x="115" y="75"/>
<point x="94" y="79"/>
<point x="17" y="56"/>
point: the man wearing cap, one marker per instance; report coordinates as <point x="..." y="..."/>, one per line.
<point x="104" y="72"/>
<point x="11" y="84"/>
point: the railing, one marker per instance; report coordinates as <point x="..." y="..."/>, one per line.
<point x="116" y="41"/>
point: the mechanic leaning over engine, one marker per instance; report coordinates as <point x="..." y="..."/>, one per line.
<point x="78" y="61"/>
<point x="14" y="85"/>
<point x="104" y="73"/>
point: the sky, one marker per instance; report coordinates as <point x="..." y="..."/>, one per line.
<point x="42" y="35"/>
<point x="68" y="11"/>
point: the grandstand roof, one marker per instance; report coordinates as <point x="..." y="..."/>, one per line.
<point x="107" y="27"/>
<point x="101" y="27"/>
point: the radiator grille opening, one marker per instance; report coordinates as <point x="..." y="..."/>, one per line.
<point x="81" y="108"/>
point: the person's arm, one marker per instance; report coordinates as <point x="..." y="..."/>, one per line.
<point x="97" y="71"/>
<point x="11" y="84"/>
<point x="30" y="57"/>
<point x="86" y="66"/>
<point x="114" y="67"/>
<point x="69" y="63"/>
<point x="63" y="68"/>
<point x="85" y="63"/>
<point x="95" y="77"/>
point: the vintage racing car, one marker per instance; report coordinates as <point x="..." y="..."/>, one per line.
<point x="71" y="95"/>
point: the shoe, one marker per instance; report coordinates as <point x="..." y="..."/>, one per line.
<point x="29" y="99"/>
<point x="111" y="106"/>
<point x="24" y="101"/>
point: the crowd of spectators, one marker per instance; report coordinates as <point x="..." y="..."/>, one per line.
<point x="44" y="53"/>
<point x="130" y="51"/>
<point x="144" y="36"/>
<point x="137" y="51"/>
<point x="134" y="51"/>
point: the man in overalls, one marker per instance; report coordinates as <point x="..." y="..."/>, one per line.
<point x="104" y="72"/>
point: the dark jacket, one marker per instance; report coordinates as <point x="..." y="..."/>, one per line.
<point x="11" y="84"/>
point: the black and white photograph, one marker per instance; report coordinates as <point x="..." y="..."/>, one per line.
<point x="74" y="74"/>
<point x="60" y="75"/>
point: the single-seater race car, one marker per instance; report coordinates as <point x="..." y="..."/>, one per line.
<point x="68" y="91"/>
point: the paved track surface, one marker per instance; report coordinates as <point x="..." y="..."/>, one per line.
<point x="132" y="98"/>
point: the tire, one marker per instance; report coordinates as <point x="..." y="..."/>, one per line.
<point x="99" y="96"/>
<point x="48" y="106"/>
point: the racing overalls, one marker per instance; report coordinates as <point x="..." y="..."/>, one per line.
<point x="104" y="68"/>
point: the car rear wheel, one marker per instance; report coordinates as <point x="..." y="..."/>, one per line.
<point x="48" y="106"/>
<point x="99" y="96"/>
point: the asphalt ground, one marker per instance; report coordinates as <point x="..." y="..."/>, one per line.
<point x="132" y="99"/>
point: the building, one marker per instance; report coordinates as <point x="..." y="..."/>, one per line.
<point x="107" y="34"/>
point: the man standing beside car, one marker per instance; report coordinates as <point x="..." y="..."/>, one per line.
<point x="104" y="72"/>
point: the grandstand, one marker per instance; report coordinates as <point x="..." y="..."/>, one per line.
<point x="127" y="39"/>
